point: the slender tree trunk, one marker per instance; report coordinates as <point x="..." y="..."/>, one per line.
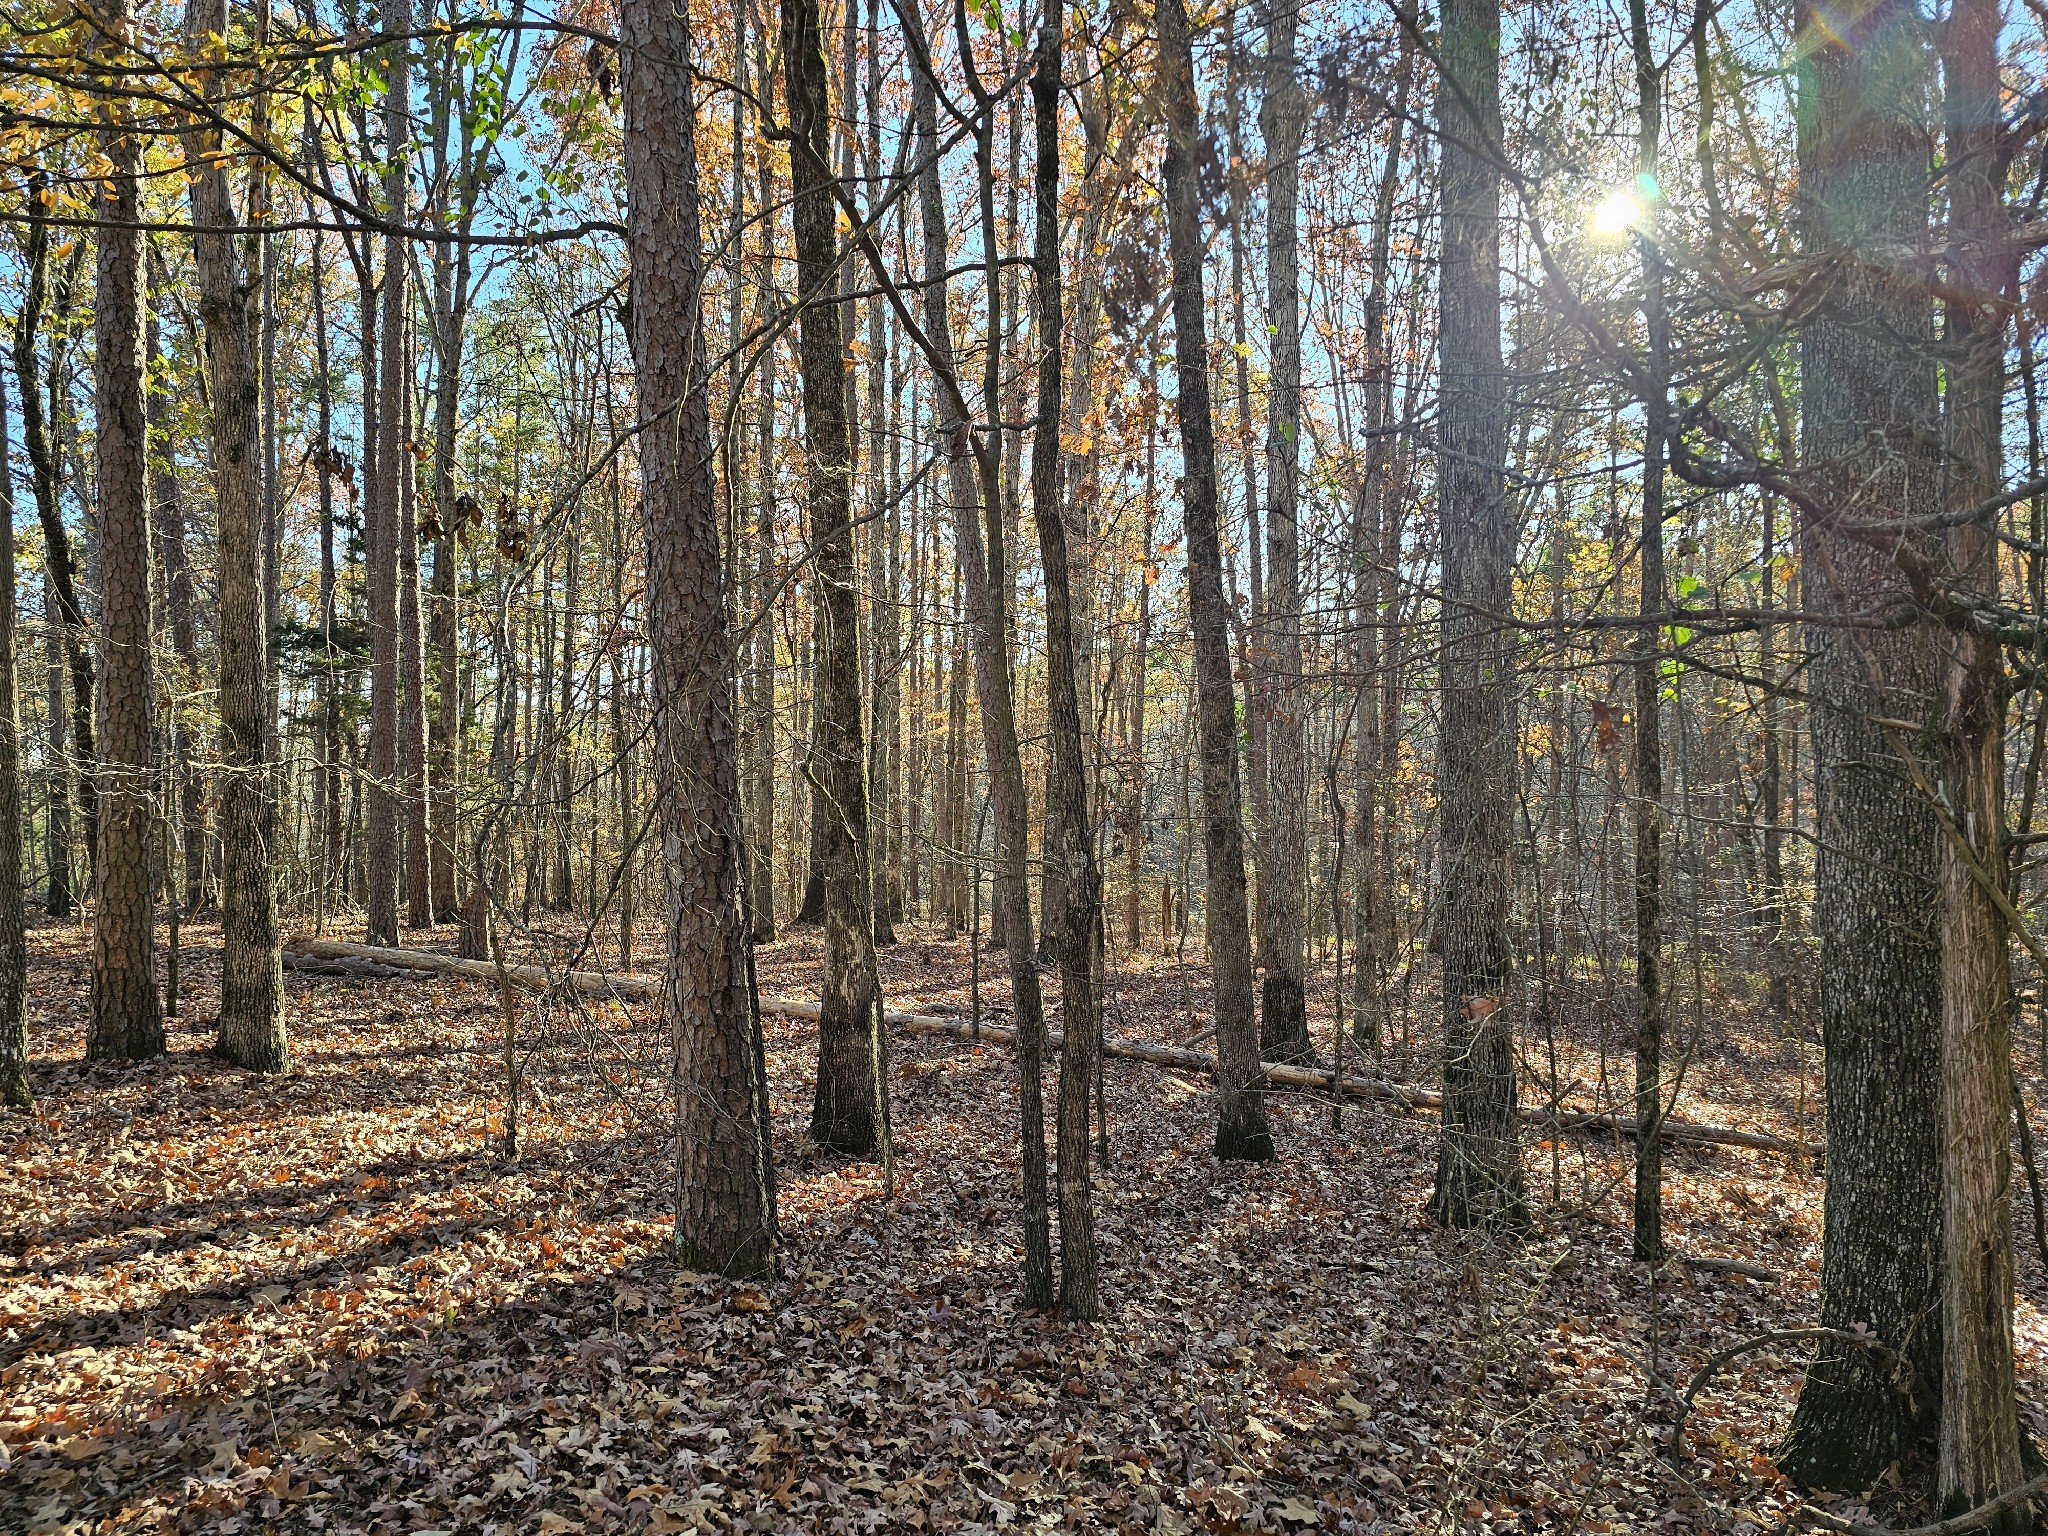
<point x="14" y="1083"/>
<point x="39" y="423"/>
<point x="384" y="535"/>
<point x="1979" y="1446"/>
<point x="252" y="1033"/>
<point x="1240" y="1091"/>
<point x="725" y="1182"/>
<point x="1647" y="804"/>
<point x="127" y="1011"/>
<point x="1283" y="870"/>
<point x="975" y="486"/>
<point x="1869" y="404"/>
<point x="412" y="667"/>
<point x="1067" y="785"/>
<point x="1479" y="1160"/>
<point x="846" y="1112"/>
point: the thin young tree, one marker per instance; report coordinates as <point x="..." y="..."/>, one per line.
<point x="1067" y="782"/>
<point x="14" y="1083"/>
<point x="383" y="831"/>
<point x="1283" y="862"/>
<point x="1646" y="805"/>
<point x="846" y="1110"/>
<point x="1240" y="1092"/>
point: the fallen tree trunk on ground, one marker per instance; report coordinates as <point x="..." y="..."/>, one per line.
<point x="1279" y="1075"/>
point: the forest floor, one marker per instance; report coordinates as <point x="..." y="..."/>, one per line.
<point x="328" y="1302"/>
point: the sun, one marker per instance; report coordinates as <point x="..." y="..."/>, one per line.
<point x="1616" y="216"/>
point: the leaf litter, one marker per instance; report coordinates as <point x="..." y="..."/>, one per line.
<point x="326" y="1303"/>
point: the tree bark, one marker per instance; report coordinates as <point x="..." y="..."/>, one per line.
<point x="1869" y="405"/>
<point x="252" y="1033"/>
<point x="1240" y="1094"/>
<point x="1979" y="1445"/>
<point x="1283" y="867"/>
<point x="14" y="1084"/>
<point x="127" y="1012"/>
<point x="1081" y="885"/>
<point x="1479" y="1159"/>
<point x="1646" y="806"/>
<point x="383" y="534"/>
<point x="976" y="493"/>
<point x="845" y="1113"/>
<point x="725" y="1183"/>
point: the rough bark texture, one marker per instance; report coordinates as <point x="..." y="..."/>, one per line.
<point x="381" y="532"/>
<point x="127" y="1013"/>
<point x="1868" y="398"/>
<point x="1240" y="1094"/>
<point x="1283" y="864"/>
<point x="1479" y="1161"/>
<point x="975" y="495"/>
<point x="252" y="1030"/>
<point x="1080" y="920"/>
<point x="1979" y="1447"/>
<point x="844" y="1113"/>
<point x="14" y="1083"/>
<point x="725" y="1185"/>
<point x="1646" y="806"/>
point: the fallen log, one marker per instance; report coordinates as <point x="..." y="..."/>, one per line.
<point x="1179" y="1058"/>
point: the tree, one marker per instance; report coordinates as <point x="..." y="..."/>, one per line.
<point x="725" y="1181"/>
<point x="387" y="649"/>
<point x="1869" y="412"/>
<point x="1080" y="924"/>
<point x="974" y="489"/>
<point x="1646" y="805"/>
<point x="846" y="1114"/>
<point x="1979" y="1453"/>
<point x="1479" y="1161"/>
<point x="14" y="1083"/>
<point x="127" y="1012"/>
<point x="252" y="1032"/>
<point x="1283" y="863"/>
<point x="1240" y="1096"/>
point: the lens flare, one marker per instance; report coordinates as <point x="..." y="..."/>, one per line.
<point x="1616" y="216"/>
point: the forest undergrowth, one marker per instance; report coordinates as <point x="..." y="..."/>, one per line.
<point x="330" y="1302"/>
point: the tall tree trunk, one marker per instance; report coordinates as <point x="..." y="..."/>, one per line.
<point x="975" y="486"/>
<point x="1979" y="1446"/>
<point x="127" y="1012"/>
<point x="1869" y="404"/>
<point x="252" y="1033"/>
<point x="1240" y="1091"/>
<point x="1647" y="805"/>
<point x="14" y="1083"/>
<point x="326" y="839"/>
<point x="412" y="667"/>
<point x="1283" y="869"/>
<point x="1067" y="785"/>
<point x="167" y="518"/>
<point x="1479" y="1157"/>
<point x="383" y="536"/>
<point x="845" y="1113"/>
<point x="39" y="424"/>
<point x="725" y="1182"/>
<point x="57" y="893"/>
